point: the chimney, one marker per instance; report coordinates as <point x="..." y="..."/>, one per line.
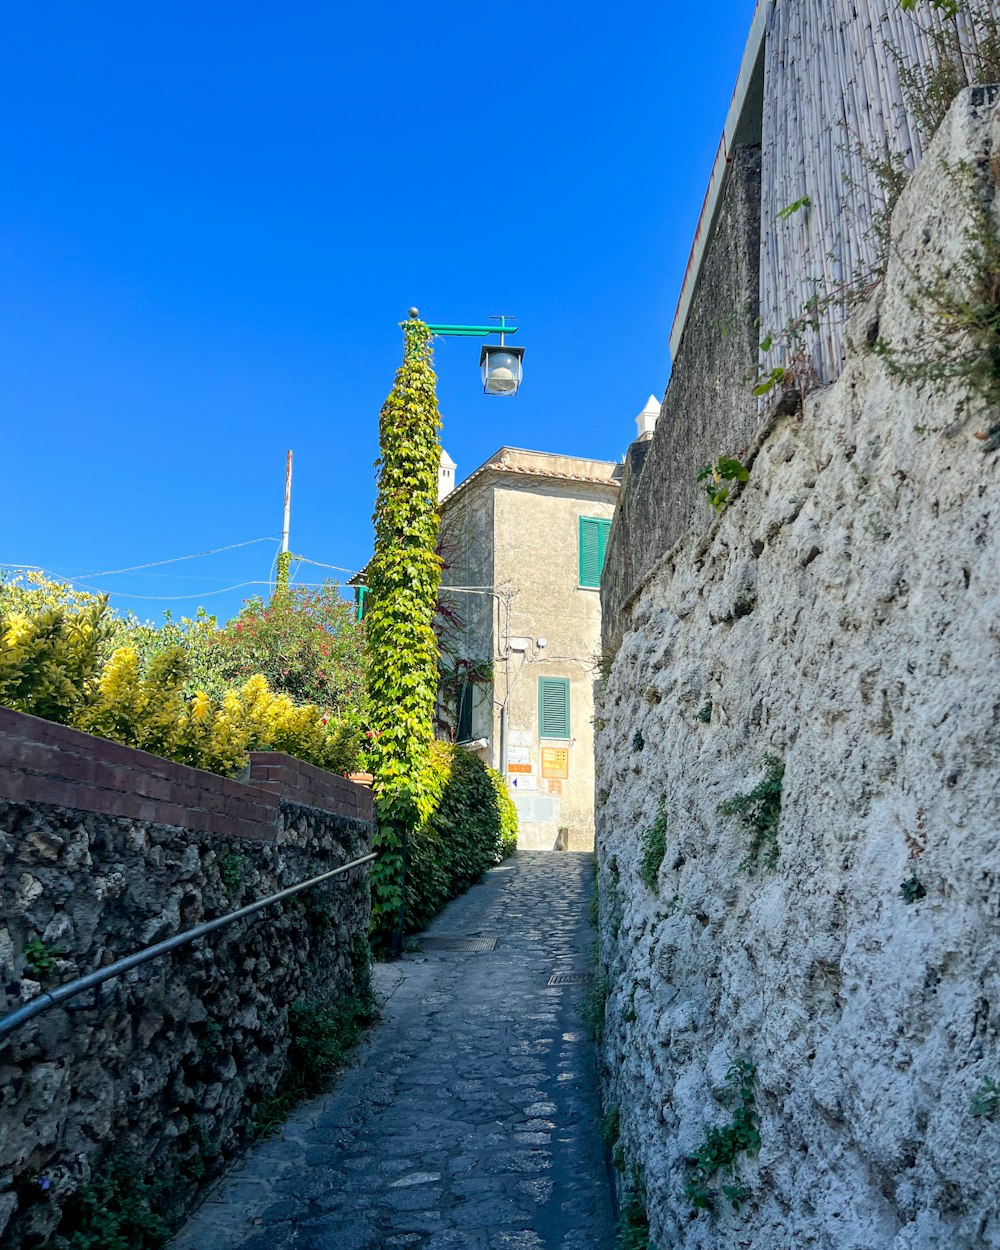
<point x="646" y="420"/>
<point x="446" y="475"/>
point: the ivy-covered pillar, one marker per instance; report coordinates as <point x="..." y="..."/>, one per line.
<point x="403" y="580"/>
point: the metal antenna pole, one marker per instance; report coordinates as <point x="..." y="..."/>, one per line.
<point x="288" y="504"/>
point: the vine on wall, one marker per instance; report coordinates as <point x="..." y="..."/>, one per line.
<point x="403" y="580"/>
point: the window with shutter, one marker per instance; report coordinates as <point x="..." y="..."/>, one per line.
<point x="593" y="545"/>
<point x="553" y="707"/>
<point x="464" y="731"/>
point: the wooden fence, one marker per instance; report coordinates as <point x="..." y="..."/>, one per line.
<point x="832" y="102"/>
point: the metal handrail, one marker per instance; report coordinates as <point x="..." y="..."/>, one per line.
<point x="51" y="998"/>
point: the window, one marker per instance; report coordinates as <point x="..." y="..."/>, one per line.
<point x="593" y="544"/>
<point x="553" y="707"/>
<point x="464" y="731"/>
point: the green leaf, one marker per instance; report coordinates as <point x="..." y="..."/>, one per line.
<point x="790" y="209"/>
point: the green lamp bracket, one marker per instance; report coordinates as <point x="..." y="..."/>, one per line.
<point x="470" y="332"/>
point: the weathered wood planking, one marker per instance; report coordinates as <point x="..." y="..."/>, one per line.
<point x="831" y="92"/>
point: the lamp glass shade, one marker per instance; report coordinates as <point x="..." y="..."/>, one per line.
<point x="501" y="370"/>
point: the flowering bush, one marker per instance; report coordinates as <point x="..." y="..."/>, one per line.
<point x="55" y="663"/>
<point x="307" y="643"/>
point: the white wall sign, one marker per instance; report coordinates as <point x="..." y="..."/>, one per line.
<point x="520" y="738"/>
<point x="518" y="755"/>
<point x="523" y="781"/>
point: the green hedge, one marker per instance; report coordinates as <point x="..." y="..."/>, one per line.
<point x="470" y="828"/>
<point x="508" y="815"/>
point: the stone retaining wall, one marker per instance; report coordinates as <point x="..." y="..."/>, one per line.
<point x="106" y="850"/>
<point x="843" y="617"/>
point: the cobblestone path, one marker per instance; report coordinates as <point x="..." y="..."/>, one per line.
<point x="470" y="1118"/>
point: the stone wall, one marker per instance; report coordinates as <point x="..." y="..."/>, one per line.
<point x="708" y="410"/>
<point x="170" y="1066"/>
<point x="842" y="617"/>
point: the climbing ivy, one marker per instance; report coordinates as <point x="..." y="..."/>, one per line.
<point x="285" y="559"/>
<point x="403" y="580"/>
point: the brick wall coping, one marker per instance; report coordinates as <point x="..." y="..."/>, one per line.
<point x="42" y="762"/>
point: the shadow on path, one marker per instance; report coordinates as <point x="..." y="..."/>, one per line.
<point x="470" y="1118"/>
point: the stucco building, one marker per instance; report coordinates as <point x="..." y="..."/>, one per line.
<point x="523" y="540"/>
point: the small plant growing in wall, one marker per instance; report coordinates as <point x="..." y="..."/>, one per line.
<point x="912" y="890"/>
<point x="716" y="481"/>
<point x="654" y="847"/>
<point x="665" y="913"/>
<point x="638" y="741"/>
<point x="986" y="1100"/>
<point x="704" y="714"/>
<point x="611" y="1127"/>
<point x="210" y="1038"/>
<point x="632" y="1232"/>
<point x="120" y="1208"/>
<point x="232" y="870"/>
<point x="595" y="1006"/>
<point x="725" y="1144"/>
<point x="40" y="960"/>
<point x="759" y="811"/>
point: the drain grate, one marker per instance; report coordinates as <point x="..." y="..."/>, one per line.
<point x="458" y="944"/>
<point x="571" y="978"/>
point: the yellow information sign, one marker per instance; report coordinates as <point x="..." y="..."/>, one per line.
<point x="555" y="763"/>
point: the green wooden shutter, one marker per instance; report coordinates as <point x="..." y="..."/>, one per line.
<point x="553" y="707"/>
<point x="464" y="732"/>
<point x="593" y="545"/>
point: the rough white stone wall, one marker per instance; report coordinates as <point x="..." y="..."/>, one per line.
<point x="844" y="615"/>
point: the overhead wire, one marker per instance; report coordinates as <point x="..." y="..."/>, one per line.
<point x="195" y="555"/>
<point x="85" y="582"/>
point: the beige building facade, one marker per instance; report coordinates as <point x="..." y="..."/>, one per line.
<point x="523" y="541"/>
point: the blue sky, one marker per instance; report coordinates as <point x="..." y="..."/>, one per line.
<point x="213" y="216"/>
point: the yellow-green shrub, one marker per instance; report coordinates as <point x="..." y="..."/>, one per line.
<point x="51" y="666"/>
<point x="143" y="710"/>
<point x="49" y="661"/>
<point x="150" y="711"/>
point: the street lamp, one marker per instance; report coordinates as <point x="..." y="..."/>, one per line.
<point x="501" y="369"/>
<point x="499" y="363"/>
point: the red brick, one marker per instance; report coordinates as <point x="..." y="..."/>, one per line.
<point x="128" y="805"/>
<point x="50" y="790"/>
<point x="151" y="786"/>
<point x="12" y="784"/>
<point x="37" y="757"/>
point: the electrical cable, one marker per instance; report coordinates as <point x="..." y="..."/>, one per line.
<point x="320" y="565"/>
<point x="177" y="559"/>
<point x="84" y="582"/>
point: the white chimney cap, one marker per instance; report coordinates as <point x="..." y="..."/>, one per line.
<point x="446" y="475"/>
<point x="646" y="420"/>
